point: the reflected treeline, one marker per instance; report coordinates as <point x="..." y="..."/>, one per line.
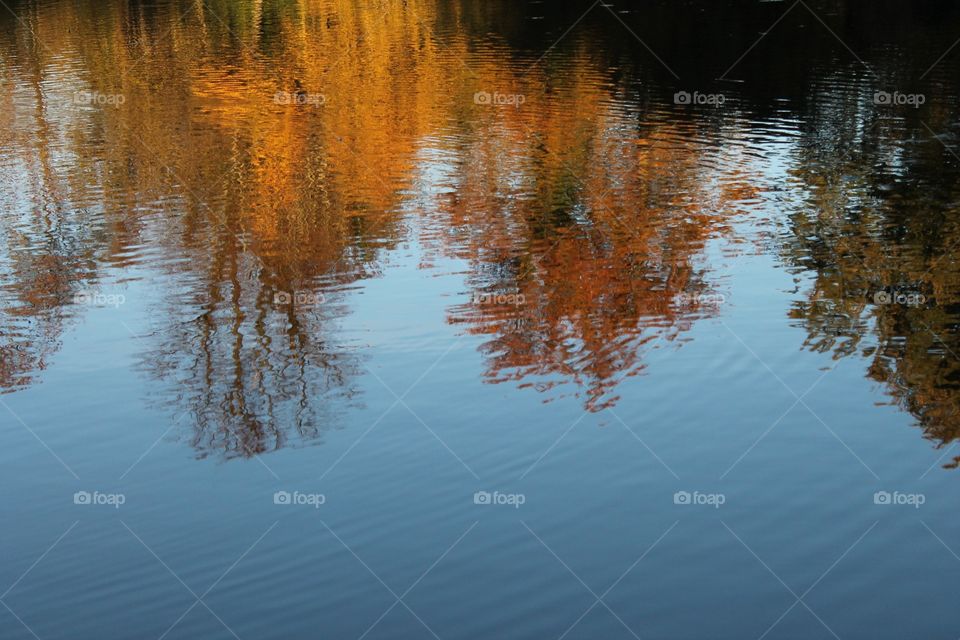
<point x="251" y="215"/>
<point x="264" y="155"/>
<point x="875" y="224"/>
<point x="585" y="234"/>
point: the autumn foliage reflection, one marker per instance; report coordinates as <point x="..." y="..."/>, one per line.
<point x="590" y="251"/>
<point x="598" y="228"/>
<point x="243" y="204"/>
<point x="880" y="246"/>
<point x="267" y="152"/>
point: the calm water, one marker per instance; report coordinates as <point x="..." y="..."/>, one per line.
<point x="478" y="319"/>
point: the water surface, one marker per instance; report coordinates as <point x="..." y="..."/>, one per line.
<point x="471" y="319"/>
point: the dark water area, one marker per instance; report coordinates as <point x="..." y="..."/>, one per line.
<point x="475" y="319"/>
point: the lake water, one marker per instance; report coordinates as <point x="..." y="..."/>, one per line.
<point x="466" y="319"/>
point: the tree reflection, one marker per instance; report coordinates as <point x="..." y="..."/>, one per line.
<point x="254" y="216"/>
<point x="599" y="254"/>
<point x="878" y="234"/>
<point x="585" y="215"/>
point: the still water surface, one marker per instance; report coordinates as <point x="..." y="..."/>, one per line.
<point x="472" y="319"/>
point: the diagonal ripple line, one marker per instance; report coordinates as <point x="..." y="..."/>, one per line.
<point x="198" y="599"/>
<point x="838" y="560"/>
<point x="759" y="439"/>
<point x="178" y="620"/>
<point x="360" y="560"/>
<point x="939" y="339"/>
<point x="940" y="540"/>
<point x="20" y="620"/>
<point x="618" y="580"/>
<point x="937" y="461"/>
<point x="560" y="39"/>
<point x="238" y="560"/>
<point x="800" y="400"/>
<point x="840" y="440"/>
<point x="432" y="366"/>
<point x="640" y="440"/>
<point x="799" y="598"/>
<point x="421" y="421"/>
<point x="39" y="439"/>
<point x="940" y="140"/>
<point x="398" y="599"/>
<point x="259" y="459"/>
<point x="37" y="561"/>
<point x="580" y="580"/>
<point x="758" y="358"/>
<point x="551" y="447"/>
<point x="225" y="625"/>
<point x="165" y="565"/>
<point x="152" y="446"/>
<point x="639" y="39"/>
<point x="390" y="408"/>
<point x="417" y="581"/>
<point x="762" y="36"/>
<point x="358" y="440"/>
<point x="940" y="59"/>
<point x="438" y="560"/>
<point x="839" y="39"/>
<point x="775" y="423"/>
